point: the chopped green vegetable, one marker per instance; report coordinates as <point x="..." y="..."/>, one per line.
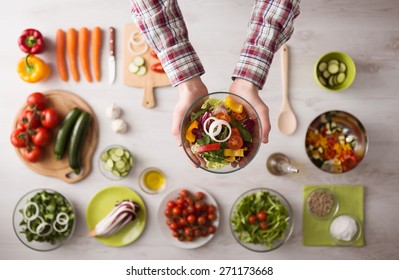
<point x="277" y="219"/>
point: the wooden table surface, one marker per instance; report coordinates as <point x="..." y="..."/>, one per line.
<point x="367" y="30"/>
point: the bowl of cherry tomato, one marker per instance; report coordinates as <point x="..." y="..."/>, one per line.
<point x="336" y="142"/>
<point x="188" y="218"/>
<point x="221" y="132"/>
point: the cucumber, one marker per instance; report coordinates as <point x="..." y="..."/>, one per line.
<point x="142" y="70"/>
<point x="138" y="61"/>
<point x="118" y="161"/>
<point x="77" y="140"/>
<point x="322" y="66"/>
<point x="133" y="68"/>
<point x="333" y="68"/>
<point x="64" y="132"/>
<point x="341" y="78"/>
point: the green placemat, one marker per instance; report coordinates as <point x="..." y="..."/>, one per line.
<point x="315" y="232"/>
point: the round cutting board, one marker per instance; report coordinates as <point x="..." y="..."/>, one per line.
<point x="64" y="101"/>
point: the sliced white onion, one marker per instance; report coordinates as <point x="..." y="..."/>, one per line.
<point x="59" y="230"/>
<point x="62" y="218"/>
<point x="216" y="128"/>
<point x="30" y="221"/>
<point x="40" y="228"/>
<point x="138" y="52"/>
<point x="134" y="36"/>
<point x="35" y="215"/>
<point x="206" y="124"/>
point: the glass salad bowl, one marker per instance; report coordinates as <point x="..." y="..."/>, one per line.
<point x="261" y="220"/>
<point x="221" y="132"/>
<point x="44" y="220"/>
<point x="336" y="142"/>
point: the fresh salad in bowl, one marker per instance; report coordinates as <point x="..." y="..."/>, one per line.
<point x="219" y="130"/>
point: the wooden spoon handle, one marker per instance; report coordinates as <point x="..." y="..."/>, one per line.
<point x="284" y="72"/>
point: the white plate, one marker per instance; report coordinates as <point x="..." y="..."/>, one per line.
<point x="167" y="232"/>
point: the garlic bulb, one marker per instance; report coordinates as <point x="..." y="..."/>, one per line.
<point x="113" y="112"/>
<point x="119" y="126"/>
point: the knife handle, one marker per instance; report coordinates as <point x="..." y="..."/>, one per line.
<point x="111" y="41"/>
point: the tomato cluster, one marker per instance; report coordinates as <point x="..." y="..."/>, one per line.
<point x="33" y="131"/>
<point x="190" y="217"/>
<point x="260" y="218"/>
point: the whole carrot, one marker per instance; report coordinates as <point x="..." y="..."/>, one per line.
<point x="83" y="51"/>
<point x="71" y="41"/>
<point x="96" y="52"/>
<point x="60" y="54"/>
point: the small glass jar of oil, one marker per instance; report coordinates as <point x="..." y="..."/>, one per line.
<point x="152" y="180"/>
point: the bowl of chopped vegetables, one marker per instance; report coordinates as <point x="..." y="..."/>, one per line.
<point x="336" y="142"/>
<point x="335" y="71"/>
<point x="115" y="162"/>
<point x="44" y="220"/>
<point x="261" y="220"/>
<point x="221" y="132"/>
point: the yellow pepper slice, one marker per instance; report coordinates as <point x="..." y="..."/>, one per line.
<point x="233" y="153"/>
<point x="32" y="69"/>
<point x="189" y="133"/>
<point x="234" y="106"/>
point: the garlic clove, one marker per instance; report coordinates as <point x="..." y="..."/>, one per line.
<point x="113" y="112"/>
<point x="119" y="126"/>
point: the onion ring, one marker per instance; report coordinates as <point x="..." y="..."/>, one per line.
<point x="59" y="230"/>
<point x="41" y="227"/>
<point x="206" y="124"/>
<point x="62" y="218"/>
<point x="29" y="223"/>
<point x="218" y="126"/>
<point x="134" y="36"/>
<point x="34" y="216"/>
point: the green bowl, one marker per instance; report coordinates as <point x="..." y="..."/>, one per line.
<point x="350" y="72"/>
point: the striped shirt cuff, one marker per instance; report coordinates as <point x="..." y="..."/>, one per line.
<point x="181" y="62"/>
<point x="253" y="65"/>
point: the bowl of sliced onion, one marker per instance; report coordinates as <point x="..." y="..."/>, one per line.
<point x="221" y="132"/>
<point x="44" y="220"/>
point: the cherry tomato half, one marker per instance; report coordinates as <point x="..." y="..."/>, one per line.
<point x="235" y="142"/>
<point x="239" y="116"/>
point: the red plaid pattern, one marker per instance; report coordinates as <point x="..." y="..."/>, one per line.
<point x="162" y="24"/>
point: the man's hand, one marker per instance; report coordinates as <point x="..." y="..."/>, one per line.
<point x="250" y="92"/>
<point x="189" y="91"/>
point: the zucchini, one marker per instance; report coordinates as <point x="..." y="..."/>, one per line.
<point x="77" y="140"/>
<point x="64" y="133"/>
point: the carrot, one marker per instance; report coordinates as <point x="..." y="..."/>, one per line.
<point x="71" y="53"/>
<point x="60" y="54"/>
<point x="96" y="52"/>
<point x="83" y="51"/>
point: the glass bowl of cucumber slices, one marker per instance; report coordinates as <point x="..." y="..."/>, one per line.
<point x="115" y="162"/>
<point x="335" y="71"/>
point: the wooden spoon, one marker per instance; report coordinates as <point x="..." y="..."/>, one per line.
<point x="287" y="122"/>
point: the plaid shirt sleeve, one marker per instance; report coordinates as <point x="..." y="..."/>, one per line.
<point x="270" y="26"/>
<point x="162" y="24"/>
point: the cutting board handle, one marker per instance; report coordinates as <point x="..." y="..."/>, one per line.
<point x="149" y="98"/>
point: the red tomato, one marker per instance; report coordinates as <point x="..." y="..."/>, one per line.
<point x="263" y="225"/>
<point x="176" y="234"/>
<point x="37" y="100"/>
<point x="199" y="205"/>
<point x="182" y="222"/>
<point x="190" y="209"/>
<point x="171" y="204"/>
<point x="239" y="116"/>
<point x="19" y="138"/>
<point x="180" y="202"/>
<point x="188" y="232"/>
<point x="202" y="220"/>
<point x="211" y="216"/>
<point x="212" y="229"/>
<point x="176" y="211"/>
<point x="167" y="212"/>
<point x="252" y="219"/>
<point x="174" y="226"/>
<point x="211" y="209"/>
<point x="191" y="219"/>
<point x="197" y="232"/>
<point x="205" y="232"/>
<point x="261" y="216"/>
<point x="28" y="119"/>
<point x="50" y="117"/>
<point x="189" y="200"/>
<point x="33" y="154"/>
<point x="223" y="116"/>
<point x="199" y="195"/>
<point x="235" y="142"/>
<point x="41" y="137"/>
<point x="184" y="193"/>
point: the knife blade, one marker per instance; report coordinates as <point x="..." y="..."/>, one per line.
<point x="111" y="59"/>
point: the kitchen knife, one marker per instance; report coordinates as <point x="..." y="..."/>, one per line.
<point x="111" y="59"/>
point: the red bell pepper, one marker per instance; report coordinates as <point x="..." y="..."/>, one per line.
<point x="157" y="67"/>
<point x="208" y="147"/>
<point x="31" y="41"/>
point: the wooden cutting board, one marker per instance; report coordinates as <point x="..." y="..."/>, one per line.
<point x="64" y="101"/>
<point x="151" y="79"/>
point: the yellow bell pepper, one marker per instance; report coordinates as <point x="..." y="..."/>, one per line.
<point x="189" y="133"/>
<point x="32" y="69"/>
<point x="234" y="106"/>
<point x="233" y="153"/>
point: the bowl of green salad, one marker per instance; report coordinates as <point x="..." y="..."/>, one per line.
<point x="261" y="220"/>
<point x="220" y="132"/>
<point x="44" y="220"/>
